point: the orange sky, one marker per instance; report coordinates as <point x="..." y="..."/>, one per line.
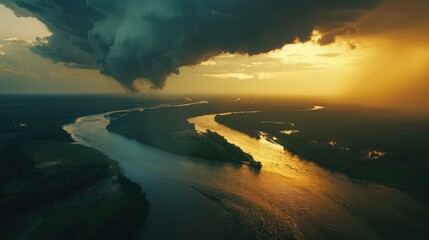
<point x="384" y="63"/>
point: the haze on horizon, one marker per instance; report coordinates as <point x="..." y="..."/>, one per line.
<point x="379" y="56"/>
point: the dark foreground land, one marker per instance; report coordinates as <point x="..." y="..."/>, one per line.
<point x="379" y="145"/>
<point x="53" y="189"/>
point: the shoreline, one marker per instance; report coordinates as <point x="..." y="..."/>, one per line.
<point x="285" y="189"/>
<point x="158" y="127"/>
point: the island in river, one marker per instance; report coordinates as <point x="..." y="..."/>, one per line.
<point x="167" y="128"/>
<point x="289" y="198"/>
<point x="379" y="145"/>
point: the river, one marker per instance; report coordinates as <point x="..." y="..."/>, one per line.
<point x="289" y="198"/>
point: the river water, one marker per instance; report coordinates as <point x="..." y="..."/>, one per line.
<point x="288" y="199"/>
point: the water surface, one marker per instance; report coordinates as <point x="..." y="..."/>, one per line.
<point x="288" y="198"/>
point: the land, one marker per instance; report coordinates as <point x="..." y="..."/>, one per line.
<point x="377" y="145"/>
<point x="51" y="188"/>
<point x="169" y="130"/>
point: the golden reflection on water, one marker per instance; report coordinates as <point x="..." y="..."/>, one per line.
<point x="303" y="194"/>
<point x="288" y="195"/>
<point x="272" y="155"/>
<point x="299" y="193"/>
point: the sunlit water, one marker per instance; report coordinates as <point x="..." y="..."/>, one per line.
<point x="288" y="198"/>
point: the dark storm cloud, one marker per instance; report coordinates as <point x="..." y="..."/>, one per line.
<point x="152" y="39"/>
<point x="394" y="15"/>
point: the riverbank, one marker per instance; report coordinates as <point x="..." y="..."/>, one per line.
<point x="288" y="198"/>
<point x="376" y="145"/>
<point x="167" y="128"/>
<point x="68" y="191"/>
<point x="177" y="211"/>
<point x="51" y="188"/>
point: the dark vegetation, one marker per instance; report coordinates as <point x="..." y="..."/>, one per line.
<point x="349" y="139"/>
<point x="60" y="170"/>
<point x="53" y="189"/>
<point x="169" y="130"/>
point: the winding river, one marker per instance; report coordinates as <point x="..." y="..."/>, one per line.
<point x="288" y="199"/>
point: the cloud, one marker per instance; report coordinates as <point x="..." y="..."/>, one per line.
<point x="10" y="39"/>
<point x="241" y="75"/>
<point x="352" y="46"/>
<point x="22" y="71"/>
<point x="385" y="80"/>
<point x="329" y="55"/>
<point x="152" y="39"/>
<point x="15" y="40"/>
<point x="395" y="15"/>
<point x="1" y="52"/>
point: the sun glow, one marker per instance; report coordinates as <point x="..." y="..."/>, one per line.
<point x="297" y="69"/>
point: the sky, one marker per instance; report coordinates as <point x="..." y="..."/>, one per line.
<point x="369" y="52"/>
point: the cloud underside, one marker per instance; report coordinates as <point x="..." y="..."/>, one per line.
<point x="152" y="39"/>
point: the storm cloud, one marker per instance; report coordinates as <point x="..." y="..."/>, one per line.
<point x="152" y="39"/>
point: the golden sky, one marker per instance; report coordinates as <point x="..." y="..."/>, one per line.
<point x="385" y="62"/>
